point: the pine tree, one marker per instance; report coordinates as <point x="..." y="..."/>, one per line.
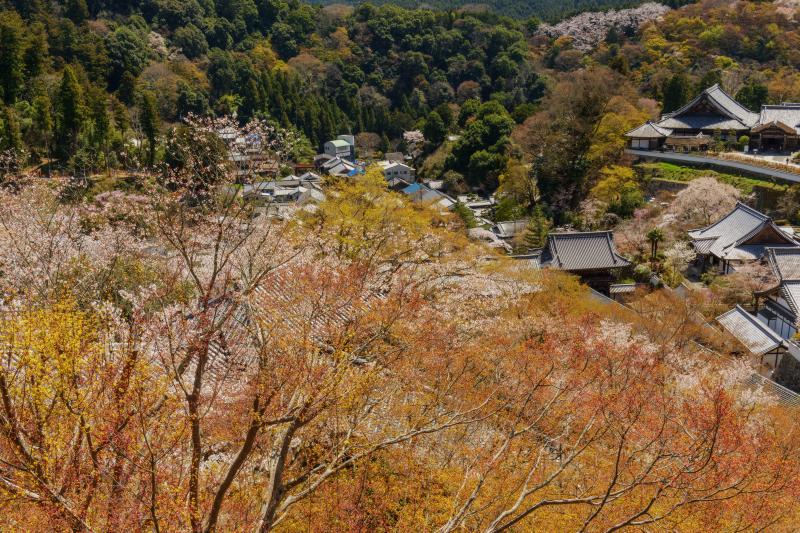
<point x="676" y="92"/>
<point x="70" y="115"/>
<point x="12" y="50"/>
<point x="43" y="123"/>
<point x="150" y="123"/>
<point x="98" y="107"/>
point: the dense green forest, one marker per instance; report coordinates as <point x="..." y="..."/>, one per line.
<point x="94" y="85"/>
<point x="546" y="10"/>
<point x="80" y="75"/>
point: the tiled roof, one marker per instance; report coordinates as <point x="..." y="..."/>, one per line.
<point x="510" y="228"/>
<point x="576" y="251"/>
<point x="725" y="237"/>
<point x="649" y="130"/>
<point x="702" y="246"/>
<point x="703" y="122"/>
<point x="622" y="288"/>
<point x="732" y="114"/>
<point x="785" y="263"/>
<point x="790" y="291"/>
<point x="787" y="114"/>
<point x="752" y="333"/>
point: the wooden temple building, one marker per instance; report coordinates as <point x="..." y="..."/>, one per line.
<point x="715" y="113"/>
<point x="590" y="255"/>
<point x="741" y="236"/>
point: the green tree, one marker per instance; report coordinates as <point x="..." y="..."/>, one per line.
<point x="465" y="214"/>
<point x="12" y="136"/>
<point x="435" y="130"/>
<point x="12" y="49"/>
<point x="537" y="230"/>
<point x="676" y="92"/>
<point x="127" y="88"/>
<point x="70" y="115"/>
<point x="127" y="52"/>
<point x="654" y="237"/>
<point x="42" y="124"/>
<point x="191" y="41"/>
<point x="101" y="122"/>
<point x="36" y="56"/>
<point x="150" y="120"/>
<point x="77" y="11"/>
<point x="618" y="189"/>
<point x="753" y="95"/>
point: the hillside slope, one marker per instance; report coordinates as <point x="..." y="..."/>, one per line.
<point x="547" y="10"/>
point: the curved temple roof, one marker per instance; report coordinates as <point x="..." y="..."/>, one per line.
<point x="577" y="251"/>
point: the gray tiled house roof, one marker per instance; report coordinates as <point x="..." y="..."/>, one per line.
<point x="579" y="251"/>
<point x="751" y="332"/>
<point x="728" y="237"/>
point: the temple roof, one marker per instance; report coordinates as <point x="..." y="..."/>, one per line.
<point x="719" y="111"/>
<point x="577" y="251"/>
<point x="751" y="332"/>
<point x="649" y="130"/>
<point x="729" y="237"/>
<point x="785" y="116"/>
<point x="785" y="263"/>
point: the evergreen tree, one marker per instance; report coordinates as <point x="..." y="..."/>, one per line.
<point x="675" y="92"/>
<point x="753" y="95"/>
<point x="77" y="11"/>
<point x="70" y="115"/>
<point x="150" y="123"/>
<point x="12" y="137"/>
<point x="435" y="130"/>
<point x="126" y="91"/>
<point x="12" y="49"/>
<point x="36" y="51"/>
<point x="42" y="123"/>
<point x="537" y="230"/>
<point x="98" y="108"/>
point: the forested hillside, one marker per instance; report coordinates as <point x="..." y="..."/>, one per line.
<point x="547" y="10"/>
<point x="92" y="86"/>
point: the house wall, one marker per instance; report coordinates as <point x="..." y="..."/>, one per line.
<point x="332" y="150"/>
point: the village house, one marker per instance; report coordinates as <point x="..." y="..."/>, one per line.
<point x="344" y="146"/>
<point x="423" y="194"/>
<point x="739" y="237"/>
<point x="396" y="170"/>
<point x="714" y="113"/>
<point x="341" y="167"/>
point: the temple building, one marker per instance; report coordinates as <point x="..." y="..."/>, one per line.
<point x="741" y="236"/>
<point x="715" y="113"/>
<point x="590" y="255"/>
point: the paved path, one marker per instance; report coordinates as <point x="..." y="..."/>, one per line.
<point x="722" y="163"/>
